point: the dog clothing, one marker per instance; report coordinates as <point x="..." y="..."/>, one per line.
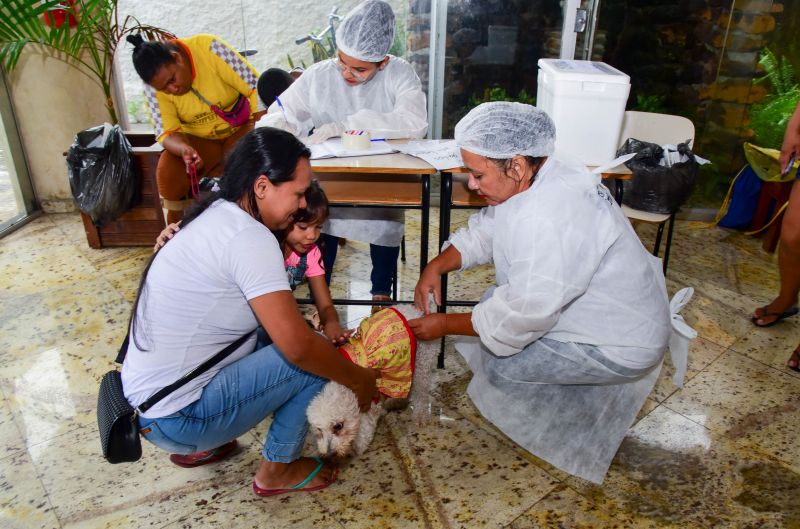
<point x="384" y="341"/>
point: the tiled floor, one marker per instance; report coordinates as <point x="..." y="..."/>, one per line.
<point x="722" y="452"/>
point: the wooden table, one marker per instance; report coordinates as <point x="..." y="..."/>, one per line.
<point x="394" y="181"/>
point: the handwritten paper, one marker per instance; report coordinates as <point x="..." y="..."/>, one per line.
<point x="442" y="154"/>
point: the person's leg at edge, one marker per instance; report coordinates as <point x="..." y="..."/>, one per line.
<point x="330" y="247"/>
<point x="788" y="262"/>
<point x="240" y="396"/>
<point x="384" y="263"/>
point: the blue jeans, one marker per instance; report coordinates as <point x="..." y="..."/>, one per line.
<point x="384" y="263"/>
<point x="239" y="397"/>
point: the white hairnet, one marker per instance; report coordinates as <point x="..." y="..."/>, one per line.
<point x="503" y="130"/>
<point x="367" y="32"/>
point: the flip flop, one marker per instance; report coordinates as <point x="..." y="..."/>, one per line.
<point x="779" y="316"/>
<point x="300" y="487"/>
<point x="796" y="359"/>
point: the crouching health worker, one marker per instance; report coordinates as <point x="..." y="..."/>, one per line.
<point x="362" y="88"/>
<point x="201" y="96"/>
<point x="571" y="340"/>
<point x="184" y="315"/>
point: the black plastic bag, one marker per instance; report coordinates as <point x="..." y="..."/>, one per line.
<point x="102" y="174"/>
<point x="653" y="187"/>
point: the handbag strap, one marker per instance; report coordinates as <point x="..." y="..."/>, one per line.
<point x="199" y="370"/>
<point x="203" y="99"/>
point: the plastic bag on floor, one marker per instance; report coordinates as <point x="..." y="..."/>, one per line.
<point x="663" y="176"/>
<point x="102" y="175"/>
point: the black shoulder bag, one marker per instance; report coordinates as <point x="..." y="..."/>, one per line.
<point x="118" y="421"/>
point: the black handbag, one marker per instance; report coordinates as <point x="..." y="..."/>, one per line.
<point x="118" y="421"/>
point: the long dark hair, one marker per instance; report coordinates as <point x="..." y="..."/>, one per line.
<point x="263" y="151"/>
<point x="149" y="56"/>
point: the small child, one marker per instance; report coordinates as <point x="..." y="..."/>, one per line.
<point x="303" y="259"/>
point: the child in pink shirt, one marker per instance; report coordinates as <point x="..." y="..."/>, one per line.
<point x="303" y="259"/>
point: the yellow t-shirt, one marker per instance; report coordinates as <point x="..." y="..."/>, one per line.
<point x="219" y="74"/>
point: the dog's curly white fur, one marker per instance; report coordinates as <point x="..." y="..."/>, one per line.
<point x="337" y="427"/>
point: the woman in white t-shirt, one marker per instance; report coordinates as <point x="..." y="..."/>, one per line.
<point x="219" y="278"/>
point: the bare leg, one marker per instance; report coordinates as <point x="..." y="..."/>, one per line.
<point x="788" y="262"/>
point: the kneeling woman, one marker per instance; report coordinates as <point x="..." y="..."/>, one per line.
<point x="219" y="278"/>
<point x="572" y="336"/>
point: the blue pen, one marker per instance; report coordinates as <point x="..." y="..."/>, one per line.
<point x="378" y="139"/>
<point x="280" y="105"/>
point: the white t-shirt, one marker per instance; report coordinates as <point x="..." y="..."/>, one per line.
<point x="195" y="302"/>
<point x="569" y="267"/>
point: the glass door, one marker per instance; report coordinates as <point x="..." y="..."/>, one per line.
<point x="16" y="192"/>
<point x="487" y="50"/>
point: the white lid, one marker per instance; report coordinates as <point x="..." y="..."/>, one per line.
<point x="573" y="70"/>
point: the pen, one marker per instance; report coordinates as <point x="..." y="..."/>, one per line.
<point x="378" y="139"/>
<point x="280" y="105"/>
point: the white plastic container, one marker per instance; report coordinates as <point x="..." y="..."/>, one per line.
<point x="586" y="101"/>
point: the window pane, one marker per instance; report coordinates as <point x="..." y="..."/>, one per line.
<point x="491" y="52"/>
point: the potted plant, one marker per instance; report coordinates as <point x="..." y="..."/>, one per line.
<point x="83" y="33"/>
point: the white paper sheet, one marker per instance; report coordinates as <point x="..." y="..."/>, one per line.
<point x="333" y="148"/>
<point x="442" y="154"/>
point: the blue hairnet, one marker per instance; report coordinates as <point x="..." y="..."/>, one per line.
<point x="367" y="32"/>
<point x="503" y="130"/>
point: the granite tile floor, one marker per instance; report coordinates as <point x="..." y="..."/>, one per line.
<point x="721" y="452"/>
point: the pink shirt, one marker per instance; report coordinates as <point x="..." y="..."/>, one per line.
<point x="313" y="261"/>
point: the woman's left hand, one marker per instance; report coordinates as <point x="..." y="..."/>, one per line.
<point x="429" y="327"/>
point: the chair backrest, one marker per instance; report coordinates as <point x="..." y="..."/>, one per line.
<point x="656" y="128"/>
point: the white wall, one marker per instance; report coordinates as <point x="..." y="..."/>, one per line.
<point x="52" y="101"/>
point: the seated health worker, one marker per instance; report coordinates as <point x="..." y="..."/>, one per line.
<point x="201" y="96"/>
<point x="571" y="339"/>
<point x="184" y="315"/>
<point x="362" y="88"/>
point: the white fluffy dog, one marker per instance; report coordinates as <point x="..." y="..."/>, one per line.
<point x="337" y="426"/>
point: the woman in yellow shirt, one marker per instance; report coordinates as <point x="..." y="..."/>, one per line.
<point x="201" y="96"/>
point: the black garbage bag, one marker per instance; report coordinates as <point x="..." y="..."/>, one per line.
<point x="102" y="174"/>
<point x="654" y="187"/>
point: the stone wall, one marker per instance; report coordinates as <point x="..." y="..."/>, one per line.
<point x="699" y="55"/>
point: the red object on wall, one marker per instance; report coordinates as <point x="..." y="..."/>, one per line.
<point x="57" y="17"/>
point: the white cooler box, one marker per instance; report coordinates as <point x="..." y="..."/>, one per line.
<point x="586" y="100"/>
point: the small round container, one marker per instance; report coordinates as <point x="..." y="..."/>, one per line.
<point x="356" y="140"/>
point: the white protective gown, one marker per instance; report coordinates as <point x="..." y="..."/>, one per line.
<point x="569" y="269"/>
<point x="390" y="105"/>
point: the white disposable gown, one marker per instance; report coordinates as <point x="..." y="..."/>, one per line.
<point x="390" y="105"/>
<point x="569" y="269"/>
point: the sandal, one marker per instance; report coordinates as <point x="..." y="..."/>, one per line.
<point x="300" y="487"/>
<point x="203" y="458"/>
<point x="794" y="361"/>
<point x="779" y="316"/>
<point x="380" y="297"/>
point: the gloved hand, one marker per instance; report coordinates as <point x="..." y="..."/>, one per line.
<point x="323" y="132"/>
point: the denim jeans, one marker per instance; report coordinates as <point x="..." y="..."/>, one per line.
<point x="239" y="397"/>
<point x="384" y="263"/>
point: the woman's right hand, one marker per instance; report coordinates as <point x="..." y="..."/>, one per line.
<point x="166" y="234"/>
<point x="365" y="388"/>
<point x="430" y="281"/>
<point x="191" y="158"/>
